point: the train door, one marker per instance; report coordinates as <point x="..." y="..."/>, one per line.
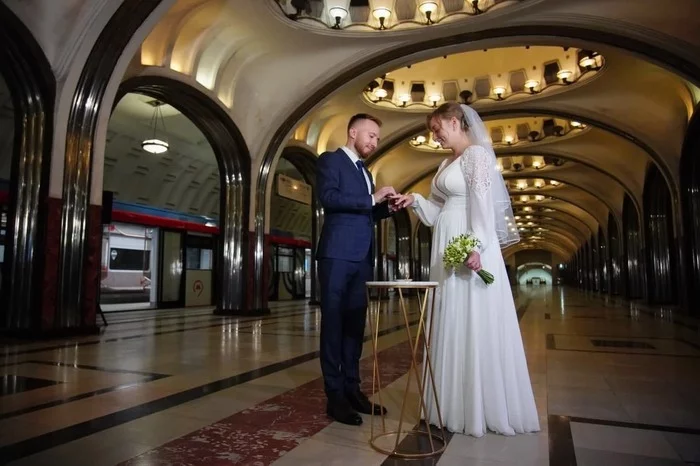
<point x="171" y="269"/>
<point x="199" y="269"/>
<point x="307" y="273"/>
<point x="4" y="212"/>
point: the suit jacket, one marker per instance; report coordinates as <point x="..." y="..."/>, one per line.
<point x="349" y="216"/>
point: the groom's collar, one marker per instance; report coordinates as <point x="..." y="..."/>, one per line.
<point x="353" y="156"/>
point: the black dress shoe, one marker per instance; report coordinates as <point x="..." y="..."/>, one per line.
<point x="361" y="403"/>
<point x="342" y="412"/>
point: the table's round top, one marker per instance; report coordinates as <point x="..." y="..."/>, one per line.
<point x="402" y="284"/>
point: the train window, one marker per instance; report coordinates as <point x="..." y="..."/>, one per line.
<point x="129" y="259"/>
<point x="199" y="259"/>
<point x="285" y="259"/>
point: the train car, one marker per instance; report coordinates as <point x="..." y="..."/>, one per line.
<point x="126" y="263"/>
<point x="155" y="258"/>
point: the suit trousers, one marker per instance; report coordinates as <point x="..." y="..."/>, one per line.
<point x="343" y="313"/>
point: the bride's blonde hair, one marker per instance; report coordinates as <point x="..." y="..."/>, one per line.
<point x="447" y="111"/>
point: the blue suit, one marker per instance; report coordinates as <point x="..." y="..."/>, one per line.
<point x="345" y="259"/>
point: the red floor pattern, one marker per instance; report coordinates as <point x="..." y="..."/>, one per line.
<point x="262" y="434"/>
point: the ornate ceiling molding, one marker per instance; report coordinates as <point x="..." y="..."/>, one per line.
<point x="509" y="138"/>
<point x="553" y="70"/>
<point x="384" y="15"/>
<point x="677" y="62"/>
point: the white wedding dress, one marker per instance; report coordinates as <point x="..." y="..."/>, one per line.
<point x="477" y="352"/>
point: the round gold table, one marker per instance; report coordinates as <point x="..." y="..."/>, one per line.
<point x="436" y="439"/>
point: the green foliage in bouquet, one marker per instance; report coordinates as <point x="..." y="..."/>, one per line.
<point x="457" y="251"/>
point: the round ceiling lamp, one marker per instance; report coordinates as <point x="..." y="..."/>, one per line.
<point x="154" y="146"/>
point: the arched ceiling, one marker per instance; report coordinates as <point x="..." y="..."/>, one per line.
<point x="585" y="145"/>
<point x="301" y="78"/>
<point x="183" y="179"/>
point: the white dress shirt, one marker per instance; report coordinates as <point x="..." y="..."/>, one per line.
<point x="354" y="158"/>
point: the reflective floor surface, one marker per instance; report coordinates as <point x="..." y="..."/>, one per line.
<point x="615" y="384"/>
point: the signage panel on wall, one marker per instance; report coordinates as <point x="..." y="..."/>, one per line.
<point x="293" y="189"/>
<point x="198" y="291"/>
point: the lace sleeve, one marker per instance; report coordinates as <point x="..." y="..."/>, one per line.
<point x="476" y="170"/>
<point x="428" y="209"/>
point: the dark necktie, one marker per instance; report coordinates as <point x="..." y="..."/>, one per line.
<point x="361" y="167"/>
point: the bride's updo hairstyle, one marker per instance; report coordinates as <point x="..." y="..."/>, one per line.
<point x="447" y="111"/>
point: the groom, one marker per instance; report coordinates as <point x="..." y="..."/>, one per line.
<point x="345" y="258"/>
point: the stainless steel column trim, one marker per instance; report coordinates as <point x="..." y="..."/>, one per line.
<point x="31" y="83"/>
<point x="82" y="121"/>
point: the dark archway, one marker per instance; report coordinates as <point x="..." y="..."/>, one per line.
<point x="603" y="271"/>
<point x="233" y="160"/>
<point x="588" y="265"/>
<point x="32" y="88"/>
<point x="402" y="227"/>
<point x="424" y="243"/>
<point x="614" y="257"/>
<point x="305" y="162"/>
<point x="690" y="195"/>
<point x="660" y="255"/>
<point x="579" y="268"/>
<point x="634" y="262"/>
<point x="660" y="56"/>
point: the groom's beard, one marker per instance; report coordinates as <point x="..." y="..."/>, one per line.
<point x="364" y="151"/>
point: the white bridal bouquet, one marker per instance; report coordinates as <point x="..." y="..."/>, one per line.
<point x="457" y="251"/>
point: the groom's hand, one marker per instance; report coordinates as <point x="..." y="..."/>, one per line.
<point x="382" y="193"/>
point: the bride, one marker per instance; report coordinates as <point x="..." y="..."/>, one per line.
<point x="481" y="374"/>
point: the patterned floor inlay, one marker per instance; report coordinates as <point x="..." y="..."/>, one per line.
<point x="621" y="344"/>
<point x="264" y="433"/>
<point x="11" y="384"/>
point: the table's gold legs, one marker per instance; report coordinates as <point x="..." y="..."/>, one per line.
<point x="424" y="333"/>
<point x="374" y="312"/>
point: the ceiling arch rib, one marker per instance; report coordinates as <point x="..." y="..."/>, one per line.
<point x="557" y="205"/>
<point x="596" y="212"/>
<point x="552" y="247"/>
<point x="577" y="197"/>
<point x="556" y="238"/>
<point x="629" y="186"/>
<point x="573" y="190"/>
<point x="395" y="140"/>
<point x="655" y="157"/>
<point x="539" y="220"/>
<point x="572" y="181"/>
<point x="592" y="179"/>
<point x="538" y="232"/>
<point x="560" y="216"/>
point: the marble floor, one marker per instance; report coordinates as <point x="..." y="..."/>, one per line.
<point x="615" y="384"/>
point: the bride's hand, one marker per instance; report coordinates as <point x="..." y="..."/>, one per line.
<point x="473" y="261"/>
<point x="401" y="201"/>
